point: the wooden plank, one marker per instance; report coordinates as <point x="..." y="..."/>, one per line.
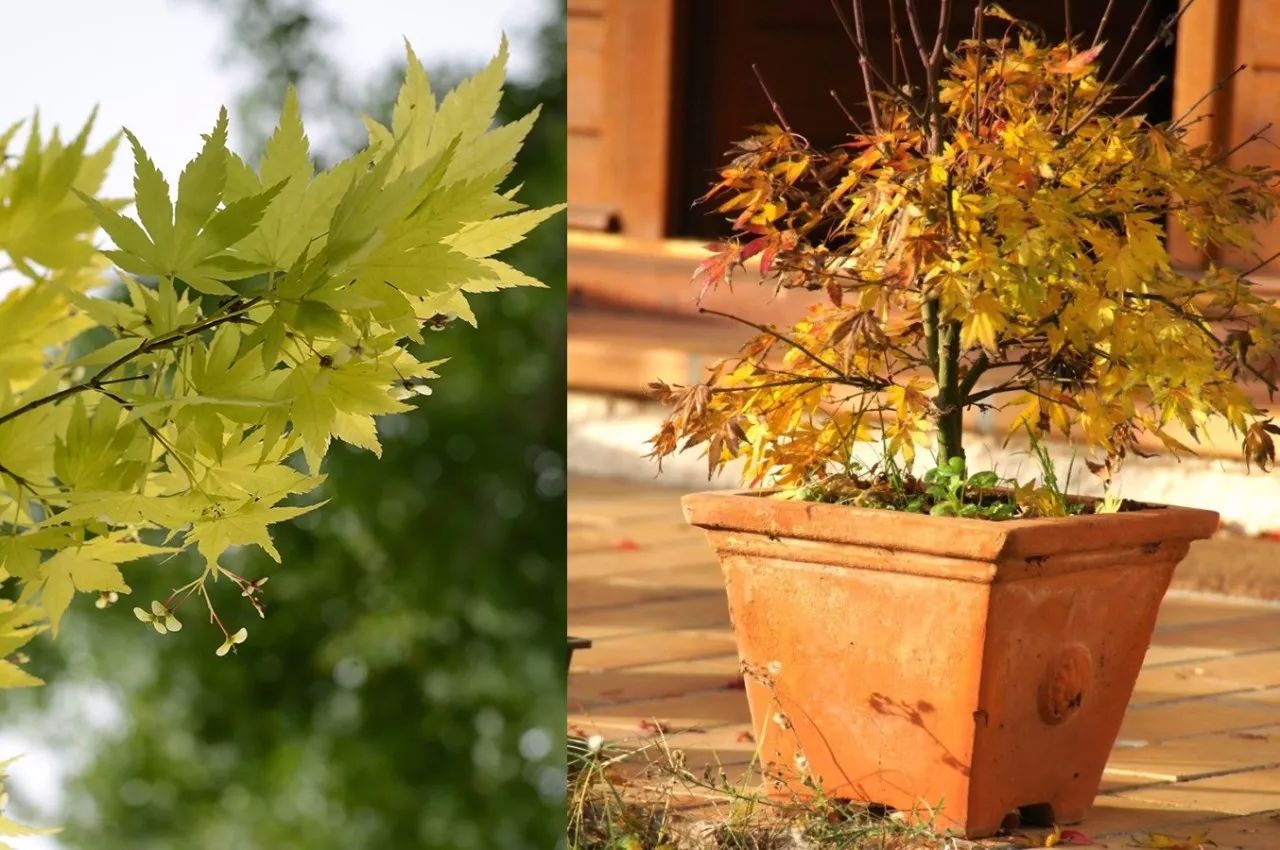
<point x="640" y="50"/>
<point x="1256" y="103"/>
<point x="587" y="186"/>
<point x="586" y="217"/>
<point x="621" y="353"/>
<point x="585" y="62"/>
<point x="1206" y="51"/>
<point x="654" y="275"/>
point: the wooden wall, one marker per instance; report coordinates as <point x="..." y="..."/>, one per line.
<point x="623" y="59"/>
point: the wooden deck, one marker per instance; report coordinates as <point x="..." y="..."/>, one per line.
<point x="1200" y="746"/>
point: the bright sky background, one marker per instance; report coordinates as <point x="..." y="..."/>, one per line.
<point x="160" y="68"/>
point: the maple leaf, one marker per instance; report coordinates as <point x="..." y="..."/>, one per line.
<point x="1078" y="63"/>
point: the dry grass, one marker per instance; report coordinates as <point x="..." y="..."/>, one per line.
<point x="643" y="797"/>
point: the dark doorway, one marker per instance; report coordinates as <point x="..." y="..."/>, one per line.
<point x="803" y="54"/>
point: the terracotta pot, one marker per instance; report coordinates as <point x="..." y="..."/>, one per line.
<point x="957" y="669"/>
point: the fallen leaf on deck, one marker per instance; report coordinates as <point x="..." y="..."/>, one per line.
<point x="1160" y="841"/>
<point x="1076" y="837"/>
<point x="626" y="544"/>
<point x="1251" y="736"/>
<point x="654" y="726"/>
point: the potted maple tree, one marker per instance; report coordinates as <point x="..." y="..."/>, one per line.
<point x="992" y="238"/>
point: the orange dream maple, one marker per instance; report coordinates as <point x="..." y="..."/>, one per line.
<point x="993" y="238"/>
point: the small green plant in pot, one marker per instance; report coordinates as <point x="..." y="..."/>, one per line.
<point x="992" y="237"/>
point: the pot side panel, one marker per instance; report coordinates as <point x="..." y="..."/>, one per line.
<point x="1062" y="655"/>
<point x="861" y="679"/>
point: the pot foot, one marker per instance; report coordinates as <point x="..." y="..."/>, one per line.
<point x="1036" y="814"/>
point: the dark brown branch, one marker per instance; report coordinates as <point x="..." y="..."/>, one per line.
<point x="773" y="104"/>
<point x="1102" y="23"/>
<point x="156" y="344"/>
<point x="931" y="59"/>
<point x="940" y="40"/>
<point x="864" y="64"/>
<point x="1260" y="264"/>
<point x="1217" y="87"/>
<point x="917" y="34"/>
<point x="844" y="378"/>
<point x="154" y="432"/>
<point x="980" y="365"/>
<point x="996" y="390"/>
<point x="1162" y="33"/>
<point x="847" y="114"/>
<point x="979" y="19"/>
<point x="787" y="383"/>
<point x="1124" y="48"/>
<point x="1106" y="85"/>
<point x="899" y="58"/>
<point x="1253" y="137"/>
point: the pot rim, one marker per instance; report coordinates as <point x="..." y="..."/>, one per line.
<point x="962" y="537"/>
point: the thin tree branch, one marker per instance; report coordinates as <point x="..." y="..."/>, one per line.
<point x="146" y="347"/>
<point x="765" y="329"/>
<point x="980" y="365"/>
<point x="773" y="104"/>
<point x="1102" y="23"/>
<point x="1217" y="87"/>
<point x="1253" y="137"/>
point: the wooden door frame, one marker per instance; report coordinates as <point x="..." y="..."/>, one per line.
<point x="642" y="49"/>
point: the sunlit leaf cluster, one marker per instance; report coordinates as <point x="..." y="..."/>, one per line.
<point x="995" y="239"/>
<point x="179" y="390"/>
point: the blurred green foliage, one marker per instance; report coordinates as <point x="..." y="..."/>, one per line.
<point x="407" y="687"/>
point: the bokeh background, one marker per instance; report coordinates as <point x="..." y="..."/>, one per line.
<point x="406" y="689"/>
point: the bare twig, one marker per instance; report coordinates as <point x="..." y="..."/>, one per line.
<point x="847" y="114"/>
<point x="1252" y="137"/>
<point x="1102" y="23"/>
<point x="773" y="104"/>
<point x="1217" y="87"/>
<point x="864" y="61"/>
<point x="843" y="377"/>
<point x="1260" y="265"/>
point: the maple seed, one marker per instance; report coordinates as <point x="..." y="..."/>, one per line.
<point x="155" y="621"/>
<point x="231" y="641"/>
<point x="408" y="389"/>
<point x="325" y="361"/>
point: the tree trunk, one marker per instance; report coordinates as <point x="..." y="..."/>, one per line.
<point x="950" y="410"/>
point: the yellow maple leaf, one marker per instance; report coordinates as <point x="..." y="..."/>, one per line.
<point x="984" y="322"/>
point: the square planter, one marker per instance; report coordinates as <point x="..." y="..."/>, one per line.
<point x="957" y="669"/>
